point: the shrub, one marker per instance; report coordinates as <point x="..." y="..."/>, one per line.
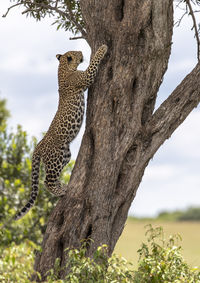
<point x="16" y="262"/>
<point x="16" y="266"/>
<point x="161" y="260"/>
<point x="100" y="268"/>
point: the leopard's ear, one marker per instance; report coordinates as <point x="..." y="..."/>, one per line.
<point x="58" y="56"/>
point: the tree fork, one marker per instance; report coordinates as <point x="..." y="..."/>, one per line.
<point x="122" y="132"/>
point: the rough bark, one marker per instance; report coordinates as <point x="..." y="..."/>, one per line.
<point x="122" y="131"/>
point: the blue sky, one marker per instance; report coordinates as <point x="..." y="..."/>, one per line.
<point x="28" y="80"/>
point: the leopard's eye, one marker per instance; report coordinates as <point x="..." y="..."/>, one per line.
<point x="69" y="58"/>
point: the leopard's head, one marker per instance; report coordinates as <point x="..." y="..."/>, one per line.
<point x="70" y="60"/>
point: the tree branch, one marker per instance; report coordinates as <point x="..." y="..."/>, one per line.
<point x="195" y="27"/>
<point x="56" y="4"/>
<point x="76" y="37"/>
<point x="174" y="110"/>
<point x="69" y="15"/>
<point x="39" y="6"/>
<point x="72" y="18"/>
<point x="177" y="23"/>
<point x="4" y="15"/>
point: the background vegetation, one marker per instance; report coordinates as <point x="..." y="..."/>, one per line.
<point x="15" y="171"/>
<point x="19" y="241"/>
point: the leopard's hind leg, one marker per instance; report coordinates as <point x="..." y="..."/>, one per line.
<point x="53" y="167"/>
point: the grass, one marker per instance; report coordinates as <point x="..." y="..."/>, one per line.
<point x="134" y="234"/>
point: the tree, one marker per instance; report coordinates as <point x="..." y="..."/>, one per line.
<point x="4" y="114"/>
<point x="122" y="130"/>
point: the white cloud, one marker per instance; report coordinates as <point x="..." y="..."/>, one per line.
<point x="183" y="146"/>
<point x="186" y="141"/>
<point x="159" y="172"/>
<point x="185" y="65"/>
<point x="166" y="187"/>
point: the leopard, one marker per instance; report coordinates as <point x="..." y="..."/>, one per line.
<point x="53" y="150"/>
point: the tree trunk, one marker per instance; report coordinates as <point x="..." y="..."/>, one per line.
<point x="122" y="131"/>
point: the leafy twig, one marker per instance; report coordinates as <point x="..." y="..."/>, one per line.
<point x="10" y="9"/>
<point x="72" y="18"/>
<point x="38" y="7"/>
<point x="68" y="15"/>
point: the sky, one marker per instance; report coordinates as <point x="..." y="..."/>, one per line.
<point x="28" y="81"/>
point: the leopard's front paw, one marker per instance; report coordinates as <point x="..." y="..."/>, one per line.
<point x="103" y="48"/>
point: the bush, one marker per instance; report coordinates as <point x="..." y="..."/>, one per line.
<point x="100" y="268"/>
<point x="161" y="260"/>
<point x="16" y="266"/>
<point x="16" y="262"/>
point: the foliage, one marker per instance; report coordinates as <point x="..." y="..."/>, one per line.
<point x="16" y="266"/>
<point x="100" y="268"/>
<point x="67" y="13"/>
<point x="169" y="216"/>
<point x="16" y="262"/>
<point x="161" y="260"/>
<point x="66" y="21"/>
<point x="191" y="214"/>
<point x="4" y="114"/>
<point x="15" y="171"/>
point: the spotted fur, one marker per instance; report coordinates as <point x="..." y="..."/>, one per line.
<point x="53" y="150"/>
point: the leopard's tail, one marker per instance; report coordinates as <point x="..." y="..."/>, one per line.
<point x="35" y="186"/>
